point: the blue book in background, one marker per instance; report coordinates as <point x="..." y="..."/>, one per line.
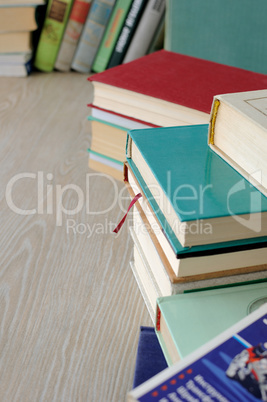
<point x="150" y="359"/>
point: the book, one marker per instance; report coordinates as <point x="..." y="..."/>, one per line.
<point x="145" y="31"/>
<point x="11" y="69"/>
<point x="16" y="42"/>
<point x="168" y="89"/>
<point x="16" y="19"/>
<point x="127" y="32"/>
<point x="149" y="356"/>
<point x="238" y="133"/>
<point x="195" y="263"/>
<point x="56" y="18"/>
<point x="105" y="165"/>
<point x="111" y="34"/>
<point x="92" y="34"/>
<point x="75" y="24"/>
<point x="205" y="313"/>
<point x="235" y="35"/>
<point x="155" y="281"/>
<point x="230" y="367"/>
<point x="205" y="200"/>
<point x="117" y="117"/>
<point x="108" y="137"/>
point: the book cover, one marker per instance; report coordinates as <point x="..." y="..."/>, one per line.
<point x="149" y="357"/>
<point x="238" y="133"/>
<point x="167" y="88"/>
<point x="231" y="367"/>
<point x="202" y="189"/>
<point x="76" y="21"/>
<point x="205" y="313"/>
<point x="56" y="18"/>
<point x="91" y="35"/>
<point x="146" y="30"/>
<point x="111" y="34"/>
<point x="232" y="33"/>
<point x="127" y="32"/>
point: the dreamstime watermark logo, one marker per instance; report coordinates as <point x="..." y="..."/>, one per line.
<point x="187" y="200"/>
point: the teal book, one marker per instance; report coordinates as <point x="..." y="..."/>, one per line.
<point x="187" y="321"/>
<point x="203" y="199"/>
<point x="227" y="32"/>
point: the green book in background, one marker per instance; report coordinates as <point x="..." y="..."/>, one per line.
<point x="227" y="32"/>
<point x="111" y="35"/>
<point x="187" y="321"/>
<point x="52" y="33"/>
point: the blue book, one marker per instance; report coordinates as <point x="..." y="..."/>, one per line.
<point x="230" y="367"/>
<point x="201" y="198"/>
<point x="150" y="359"/>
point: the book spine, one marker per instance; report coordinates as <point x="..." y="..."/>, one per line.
<point x="127" y="32"/>
<point x="213" y="116"/>
<point x="52" y="32"/>
<point x="111" y="35"/>
<point x="92" y="34"/>
<point x="72" y="34"/>
<point x="145" y="31"/>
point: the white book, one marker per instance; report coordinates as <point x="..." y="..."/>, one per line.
<point x="238" y="133"/>
<point x="146" y="30"/>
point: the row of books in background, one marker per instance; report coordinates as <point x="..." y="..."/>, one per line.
<point x="80" y="35"/>
<point x="195" y="138"/>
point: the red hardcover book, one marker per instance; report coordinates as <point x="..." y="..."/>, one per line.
<point x="167" y="88"/>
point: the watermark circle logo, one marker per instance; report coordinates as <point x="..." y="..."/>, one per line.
<point x="255" y="304"/>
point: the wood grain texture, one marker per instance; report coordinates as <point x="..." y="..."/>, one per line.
<point x="70" y="308"/>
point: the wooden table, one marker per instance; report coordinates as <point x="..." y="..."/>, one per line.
<point x="70" y="307"/>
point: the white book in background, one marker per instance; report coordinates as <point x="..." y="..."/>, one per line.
<point x="238" y="133"/>
<point x="146" y="30"/>
<point x="91" y="36"/>
<point x="15" y="58"/>
<point x="230" y="367"/>
<point x="77" y="18"/>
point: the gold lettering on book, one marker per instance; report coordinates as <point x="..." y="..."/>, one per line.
<point x="213" y="118"/>
<point x="57" y="10"/>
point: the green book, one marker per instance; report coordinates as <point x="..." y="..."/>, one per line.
<point x="52" y="33"/>
<point x="187" y="321"/>
<point x="111" y="35"/>
<point x="227" y="32"/>
<point x="203" y="199"/>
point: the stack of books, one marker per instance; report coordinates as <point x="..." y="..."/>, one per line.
<point x="199" y="226"/>
<point x="157" y="90"/>
<point x="17" y="24"/>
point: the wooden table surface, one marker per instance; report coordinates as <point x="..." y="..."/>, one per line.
<point x="70" y="307"/>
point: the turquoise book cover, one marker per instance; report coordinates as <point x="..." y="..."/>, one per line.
<point x="195" y="318"/>
<point x="227" y="32"/>
<point x="200" y="187"/>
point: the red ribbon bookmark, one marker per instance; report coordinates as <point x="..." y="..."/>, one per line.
<point x="130" y="206"/>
